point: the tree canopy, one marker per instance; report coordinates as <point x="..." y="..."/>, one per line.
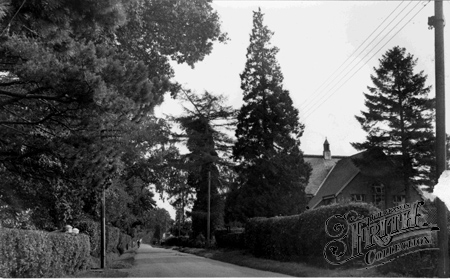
<point x="399" y="117"/>
<point x="204" y="126"/>
<point x="77" y="94"/>
<point x="272" y="172"/>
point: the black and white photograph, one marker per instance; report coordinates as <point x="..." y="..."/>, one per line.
<point x="224" y="139"/>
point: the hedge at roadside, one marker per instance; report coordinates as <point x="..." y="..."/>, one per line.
<point x="422" y="263"/>
<point x="116" y="241"/>
<point x="92" y="229"/>
<point x="232" y="240"/>
<point x="300" y="237"/>
<point x="125" y="243"/>
<point x="32" y="254"/>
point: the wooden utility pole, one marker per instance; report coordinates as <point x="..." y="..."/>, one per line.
<point x="103" y="231"/>
<point x="208" y="226"/>
<point x="441" y="165"/>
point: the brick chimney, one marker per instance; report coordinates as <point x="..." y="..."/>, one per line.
<point x="326" y="150"/>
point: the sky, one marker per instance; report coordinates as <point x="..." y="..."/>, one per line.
<point x="328" y="50"/>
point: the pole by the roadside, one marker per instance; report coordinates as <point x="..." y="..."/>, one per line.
<point x="208" y="226"/>
<point x="103" y="232"/>
<point x="441" y="158"/>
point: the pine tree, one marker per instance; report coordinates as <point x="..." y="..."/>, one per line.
<point x="399" y="117"/>
<point x="208" y="145"/>
<point x="272" y="172"/>
<point x="79" y="75"/>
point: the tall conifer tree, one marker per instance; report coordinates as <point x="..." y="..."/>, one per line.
<point x="399" y="117"/>
<point x="208" y="144"/>
<point x="272" y="172"/>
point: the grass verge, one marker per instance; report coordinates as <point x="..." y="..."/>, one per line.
<point x="297" y="269"/>
<point x="125" y="261"/>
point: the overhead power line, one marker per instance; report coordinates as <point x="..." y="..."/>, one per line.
<point x="329" y="79"/>
<point x="344" y="74"/>
<point x="349" y="71"/>
<point x="375" y="53"/>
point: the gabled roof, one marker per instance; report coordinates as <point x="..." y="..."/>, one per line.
<point x="342" y="174"/>
<point x="320" y="169"/>
<point x="371" y="163"/>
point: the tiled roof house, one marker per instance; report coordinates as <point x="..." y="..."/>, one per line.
<point x="321" y="167"/>
<point x="368" y="176"/>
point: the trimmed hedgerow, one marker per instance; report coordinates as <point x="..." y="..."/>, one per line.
<point x="124" y="243"/>
<point x="421" y="263"/>
<point x="92" y="229"/>
<point x="32" y="254"/>
<point x="300" y="237"/>
<point x="226" y="239"/>
<point x="113" y="239"/>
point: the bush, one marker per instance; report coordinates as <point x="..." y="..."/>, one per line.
<point x="232" y="240"/>
<point x="423" y="263"/>
<point x="417" y="264"/>
<point x="92" y="229"/>
<point x="112" y="239"/>
<point x="299" y="237"/>
<point x="32" y="254"/>
<point x="172" y="241"/>
<point x="124" y="243"/>
<point x="180" y="241"/>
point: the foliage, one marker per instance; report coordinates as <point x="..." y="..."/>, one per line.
<point x="400" y="116"/>
<point x="112" y="239"/>
<point x="298" y="237"/>
<point x="272" y="172"/>
<point x="125" y="242"/>
<point x="158" y="221"/>
<point x="226" y="239"/>
<point x="81" y="81"/>
<point x="33" y="254"/>
<point x="183" y="31"/>
<point x="91" y="229"/>
<point x="418" y="264"/>
<point x="208" y="146"/>
<point x="422" y="263"/>
<point x="116" y="241"/>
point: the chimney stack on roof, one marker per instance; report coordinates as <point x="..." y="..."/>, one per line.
<point x="326" y="150"/>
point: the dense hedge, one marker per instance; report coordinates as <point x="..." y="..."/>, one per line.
<point x="299" y="237"/>
<point x="92" y="229"/>
<point x="124" y="243"/>
<point x="32" y="254"/>
<point x="226" y="239"/>
<point x="423" y="263"/>
<point x="112" y="239"/>
<point x="116" y="241"/>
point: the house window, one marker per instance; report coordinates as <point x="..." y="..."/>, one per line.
<point x="378" y="195"/>
<point x="358" y="197"/>
<point x="398" y="200"/>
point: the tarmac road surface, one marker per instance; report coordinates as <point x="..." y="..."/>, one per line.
<point x="158" y="262"/>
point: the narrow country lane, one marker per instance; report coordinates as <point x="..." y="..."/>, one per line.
<point x="157" y="262"/>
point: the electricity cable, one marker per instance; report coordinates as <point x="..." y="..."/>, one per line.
<point x="313" y="107"/>
<point x="307" y="116"/>
<point x="333" y="92"/>
<point x="328" y="82"/>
